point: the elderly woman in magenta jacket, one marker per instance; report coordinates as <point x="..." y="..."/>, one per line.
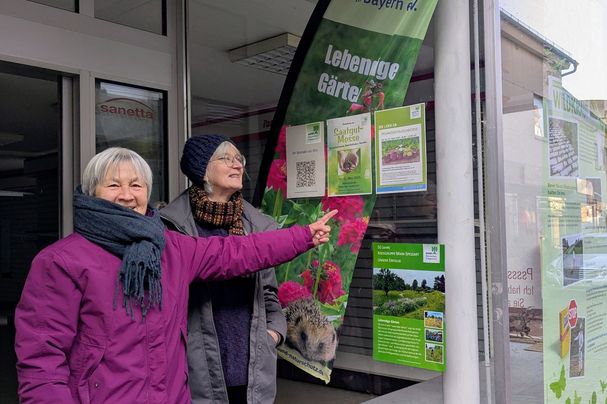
<point x="102" y="316"/>
<point x="234" y="325"/>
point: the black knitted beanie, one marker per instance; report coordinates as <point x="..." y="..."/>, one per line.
<point x="196" y="155"/>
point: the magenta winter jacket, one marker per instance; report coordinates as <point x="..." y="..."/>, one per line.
<point x="74" y="347"/>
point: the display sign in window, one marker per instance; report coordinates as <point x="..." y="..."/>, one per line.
<point x="409" y="304"/>
<point x="133" y="117"/>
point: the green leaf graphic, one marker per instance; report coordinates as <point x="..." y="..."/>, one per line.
<point x="559" y="386"/>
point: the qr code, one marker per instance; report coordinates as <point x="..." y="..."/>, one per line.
<point x="306" y="173"/>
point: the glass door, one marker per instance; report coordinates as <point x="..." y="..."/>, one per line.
<point x="31" y="181"/>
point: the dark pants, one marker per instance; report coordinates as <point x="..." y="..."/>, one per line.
<point x="237" y="394"/>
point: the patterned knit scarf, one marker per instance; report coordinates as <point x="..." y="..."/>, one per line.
<point x="137" y="239"/>
<point x="218" y="214"/>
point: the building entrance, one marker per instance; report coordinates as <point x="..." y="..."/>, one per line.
<point x="30" y="190"/>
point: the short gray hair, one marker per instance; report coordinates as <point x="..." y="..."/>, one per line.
<point x="221" y="150"/>
<point x="109" y="159"/>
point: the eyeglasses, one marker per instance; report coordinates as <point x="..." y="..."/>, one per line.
<point x="230" y="161"/>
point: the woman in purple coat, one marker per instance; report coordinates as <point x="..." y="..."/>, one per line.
<point x="102" y="316"/>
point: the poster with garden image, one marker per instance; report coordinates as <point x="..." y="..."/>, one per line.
<point x="349" y="165"/>
<point x="573" y="251"/>
<point x="409" y="304"/>
<point x="400" y="148"/>
<point x="360" y="60"/>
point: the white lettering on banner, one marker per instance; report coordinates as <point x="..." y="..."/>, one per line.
<point x="379" y="69"/>
<point x="338" y="89"/>
<point x="330" y="84"/>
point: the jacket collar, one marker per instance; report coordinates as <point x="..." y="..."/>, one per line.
<point x="179" y="214"/>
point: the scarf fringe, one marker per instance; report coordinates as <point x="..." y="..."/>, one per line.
<point x="137" y="239"/>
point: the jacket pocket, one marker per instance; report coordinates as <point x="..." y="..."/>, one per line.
<point x="271" y="345"/>
<point x="262" y="376"/>
<point x="184" y="341"/>
<point x="86" y="355"/>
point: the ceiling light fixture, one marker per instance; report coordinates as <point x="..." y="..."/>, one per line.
<point x="273" y="54"/>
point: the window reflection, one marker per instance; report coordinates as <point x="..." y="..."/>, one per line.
<point x="554" y="134"/>
<point x="29" y="171"/>
<point x="134" y="118"/>
<point x="239" y="102"/>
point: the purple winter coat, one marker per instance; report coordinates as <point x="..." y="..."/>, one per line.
<point x="74" y="347"/>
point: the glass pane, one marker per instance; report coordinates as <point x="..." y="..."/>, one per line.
<point x="554" y="116"/>
<point x="239" y="101"/>
<point x="229" y="98"/>
<point x="134" y="118"/>
<point x="30" y="198"/>
<point x="69" y="5"/>
<point x="248" y="129"/>
<point x="147" y="15"/>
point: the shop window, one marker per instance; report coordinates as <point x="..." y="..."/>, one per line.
<point x="146" y="15"/>
<point x="69" y="5"/>
<point x="554" y="91"/>
<point x="237" y="100"/>
<point x="247" y="128"/>
<point x="135" y="118"/>
<point x="409" y="217"/>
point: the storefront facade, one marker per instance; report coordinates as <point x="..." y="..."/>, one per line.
<point x="519" y="207"/>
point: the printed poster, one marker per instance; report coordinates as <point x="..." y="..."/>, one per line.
<point x="573" y="251"/>
<point x="357" y="61"/>
<point x="349" y="166"/>
<point x="306" y="159"/>
<point x="409" y="304"/>
<point x="400" y="149"/>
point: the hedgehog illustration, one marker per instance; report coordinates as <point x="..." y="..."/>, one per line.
<point x="309" y="331"/>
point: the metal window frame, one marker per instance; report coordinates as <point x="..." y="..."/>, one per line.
<point x="495" y="202"/>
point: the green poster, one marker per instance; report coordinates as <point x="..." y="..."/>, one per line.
<point x="573" y="251"/>
<point x="359" y="60"/>
<point x="400" y="149"/>
<point x="349" y="165"/>
<point x="409" y="304"/>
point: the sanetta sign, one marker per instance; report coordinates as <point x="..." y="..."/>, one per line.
<point x="126" y="108"/>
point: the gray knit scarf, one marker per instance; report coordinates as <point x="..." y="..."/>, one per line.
<point x="137" y="239"/>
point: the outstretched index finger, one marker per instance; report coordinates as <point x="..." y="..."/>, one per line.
<point x="323" y="220"/>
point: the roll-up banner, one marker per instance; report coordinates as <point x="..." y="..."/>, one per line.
<point x="356" y="57"/>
